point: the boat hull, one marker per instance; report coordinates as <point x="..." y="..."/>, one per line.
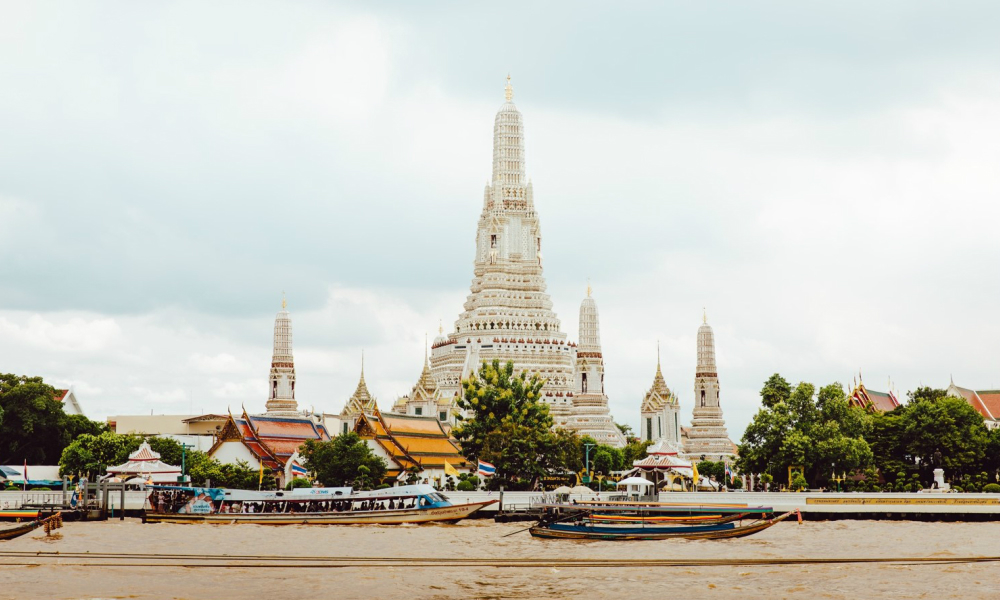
<point x="653" y="533"/>
<point x="443" y="514"/>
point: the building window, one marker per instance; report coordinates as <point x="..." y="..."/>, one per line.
<point x="443" y="416"/>
<point x="703" y="397"/>
<point x="649" y="428"/>
<point x="584" y="383"/>
<point x="493" y="241"/>
<point x="418" y="411"/>
<point x="345" y="427"/>
<point x="659" y="426"/>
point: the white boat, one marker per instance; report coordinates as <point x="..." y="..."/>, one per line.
<point x="306" y="506"/>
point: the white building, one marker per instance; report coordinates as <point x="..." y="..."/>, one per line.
<point x="508" y="315"/>
<point x="660" y="412"/>
<point x="707" y="436"/>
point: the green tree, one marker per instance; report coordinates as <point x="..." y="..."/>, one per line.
<point x="34" y="426"/>
<point x="635" y="450"/>
<point x="511" y="428"/>
<point x="820" y="432"/>
<point x="344" y="461"/>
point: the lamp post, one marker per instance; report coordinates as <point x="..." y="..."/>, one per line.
<point x="587" y="448"/>
<point x="184" y="448"/>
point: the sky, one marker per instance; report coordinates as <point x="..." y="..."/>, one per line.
<point x="821" y="178"/>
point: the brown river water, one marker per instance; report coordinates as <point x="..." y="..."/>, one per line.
<point x="145" y="578"/>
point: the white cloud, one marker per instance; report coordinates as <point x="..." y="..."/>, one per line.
<point x="62" y="334"/>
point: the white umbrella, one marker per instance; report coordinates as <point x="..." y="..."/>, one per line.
<point x="563" y="489"/>
<point x="581" y="489"/>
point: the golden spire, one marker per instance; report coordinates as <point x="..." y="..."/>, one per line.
<point x="284" y="303"/>
<point x="589" y="290"/>
<point x="508" y="92"/>
<point x="440" y="328"/>
<point x="704" y="315"/>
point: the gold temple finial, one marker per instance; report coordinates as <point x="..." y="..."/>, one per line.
<point x="440" y="328"/>
<point x="589" y="290"/>
<point x="508" y="92"/>
<point x="657" y="355"/>
<point x="704" y="315"/>
<point x="284" y="303"/>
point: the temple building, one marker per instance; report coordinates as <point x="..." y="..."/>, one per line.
<point x="282" y="381"/>
<point x="508" y="315"/>
<point x="986" y="402"/>
<point x="707" y="435"/>
<point x="660" y="412"/>
<point x="411" y="444"/>
<point x="272" y="439"/>
<point x="71" y="406"/>
<point x="426" y="399"/>
<point x="870" y="400"/>
<point x="360" y="402"/>
<point x="590" y="415"/>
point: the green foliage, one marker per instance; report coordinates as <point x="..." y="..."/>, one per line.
<point x="798" y="483"/>
<point x="298" y="482"/>
<point x="344" y="461"/>
<point x="511" y="428"/>
<point x="819" y="431"/>
<point x="33" y="425"/>
<point x="90" y="456"/>
<point x="466" y="486"/>
<point x="991" y="488"/>
<point x="908" y="439"/>
<point x="635" y="450"/>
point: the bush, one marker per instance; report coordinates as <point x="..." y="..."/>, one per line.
<point x="468" y="486"/>
<point x="799" y="483"/>
<point x="991" y="488"/>
<point x="298" y="482"/>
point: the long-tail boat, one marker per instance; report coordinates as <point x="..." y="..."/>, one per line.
<point x="309" y="506"/>
<point x="645" y="521"/>
<point x="20" y="529"/>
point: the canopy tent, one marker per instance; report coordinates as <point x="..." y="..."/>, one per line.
<point x="146" y="464"/>
<point x="639" y="481"/>
<point x="563" y="489"/>
<point x="581" y="489"/>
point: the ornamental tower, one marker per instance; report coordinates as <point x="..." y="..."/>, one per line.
<point x="508" y="315"/>
<point x="707" y="436"/>
<point x="281" y="398"/>
<point x="590" y="414"/>
<point x="660" y="411"/>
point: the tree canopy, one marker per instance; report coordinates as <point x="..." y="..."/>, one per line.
<point x="820" y="432"/>
<point x="346" y="460"/>
<point x="510" y="427"/>
<point x="33" y="425"/>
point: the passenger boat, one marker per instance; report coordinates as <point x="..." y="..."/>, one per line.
<point x="306" y="506"/>
<point x="586" y="531"/>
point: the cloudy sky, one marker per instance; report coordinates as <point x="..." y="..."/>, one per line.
<point x="823" y="178"/>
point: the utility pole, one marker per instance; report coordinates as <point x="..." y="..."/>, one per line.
<point x="587" y="447"/>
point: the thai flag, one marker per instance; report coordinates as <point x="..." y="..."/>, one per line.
<point x="486" y="469"/>
<point x="298" y="470"/>
<point x="729" y="475"/>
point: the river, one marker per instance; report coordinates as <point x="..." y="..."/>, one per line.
<point x="148" y="578"/>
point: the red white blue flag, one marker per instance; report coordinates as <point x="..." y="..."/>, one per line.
<point x="486" y="469"/>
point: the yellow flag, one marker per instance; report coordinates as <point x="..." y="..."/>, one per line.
<point x="450" y="470"/>
<point x="261" y="480"/>
<point x="694" y="475"/>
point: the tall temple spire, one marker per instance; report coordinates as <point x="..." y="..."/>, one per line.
<point x="281" y="394"/>
<point x="707" y="436"/>
<point x="508" y="90"/>
<point x="509" y="180"/>
<point x="590" y="327"/>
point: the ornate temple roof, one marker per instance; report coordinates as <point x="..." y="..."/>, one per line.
<point x="273" y="440"/>
<point x="986" y="402"/>
<point x="410" y="441"/>
<point x="659" y="395"/>
<point x="361" y="401"/>
<point x="872" y="401"/>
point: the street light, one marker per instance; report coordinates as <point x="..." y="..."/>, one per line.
<point x="184" y="448"/>
<point x="587" y="447"/>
